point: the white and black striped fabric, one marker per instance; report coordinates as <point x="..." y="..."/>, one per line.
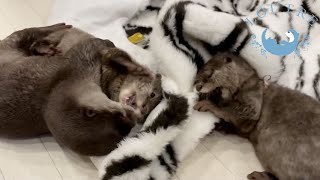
<point x="183" y="35"/>
<point x="151" y="153"/>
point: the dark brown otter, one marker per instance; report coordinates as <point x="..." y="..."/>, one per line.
<point x="282" y="124"/>
<point x="52" y="81"/>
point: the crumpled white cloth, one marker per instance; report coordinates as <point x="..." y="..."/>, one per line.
<point x="103" y="19"/>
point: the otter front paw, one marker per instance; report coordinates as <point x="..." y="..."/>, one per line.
<point x="131" y="115"/>
<point x="205" y="106"/>
<point x="54" y="28"/>
<point x="261" y="176"/>
<point x="44" y="48"/>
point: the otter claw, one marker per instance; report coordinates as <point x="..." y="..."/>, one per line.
<point x="203" y="106"/>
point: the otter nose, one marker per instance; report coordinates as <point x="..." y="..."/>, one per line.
<point x="198" y="87"/>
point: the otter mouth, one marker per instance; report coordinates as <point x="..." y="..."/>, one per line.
<point x="130" y="100"/>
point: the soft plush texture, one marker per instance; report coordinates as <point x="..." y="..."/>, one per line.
<point x="206" y="21"/>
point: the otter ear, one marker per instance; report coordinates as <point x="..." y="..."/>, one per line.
<point x="122" y="62"/>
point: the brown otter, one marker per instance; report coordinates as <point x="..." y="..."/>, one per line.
<point x="140" y="93"/>
<point x="52" y="80"/>
<point x="282" y="124"/>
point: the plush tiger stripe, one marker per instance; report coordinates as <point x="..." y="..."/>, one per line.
<point x="184" y="36"/>
<point x="137" y="155"/>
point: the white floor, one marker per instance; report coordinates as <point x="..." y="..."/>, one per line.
<point x="217" y="157"/>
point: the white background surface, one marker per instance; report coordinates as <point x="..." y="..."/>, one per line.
<point x="217" y="157"/>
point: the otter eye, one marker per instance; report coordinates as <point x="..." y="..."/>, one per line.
<point x="228" y="60"/>
<point x="152" y="95"/>
<point x="90" y="113"/>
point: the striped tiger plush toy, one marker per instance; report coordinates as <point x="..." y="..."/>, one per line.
<point x="183" y="35"/>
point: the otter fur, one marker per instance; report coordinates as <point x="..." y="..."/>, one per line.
<point x="52" y="80"/>
<point x="282" y="124"/>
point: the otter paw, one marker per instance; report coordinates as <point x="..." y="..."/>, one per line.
<point x="131" y="115"/>
<point x="125" y="115"/>
<point x="55" y="27"/>
<point x="204" y="106"/>
<point x="44" y="48"/>
<point x="261" y="176"/>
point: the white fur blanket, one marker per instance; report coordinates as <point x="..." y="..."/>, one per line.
<point x="209" y="26"/>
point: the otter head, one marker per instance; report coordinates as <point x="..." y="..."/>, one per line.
<point x="141" y="93"/>
<point x="133" y="86"/>
<point x="222" y="73"/>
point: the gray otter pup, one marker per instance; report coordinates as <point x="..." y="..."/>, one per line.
<point x="62" y="94"/>
<point x="282" y="124"/>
